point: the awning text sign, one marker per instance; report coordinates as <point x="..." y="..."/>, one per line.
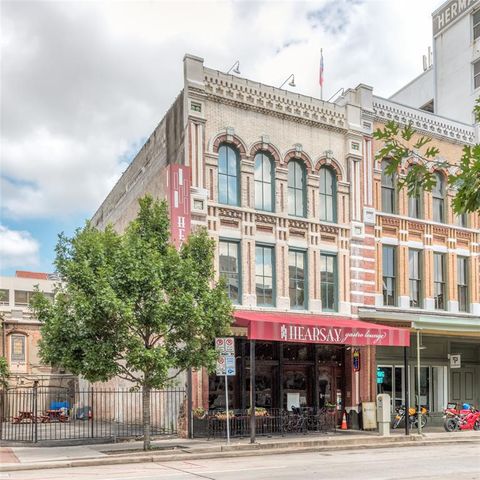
<point x="327" y="329"/>
<point x="329" y="335"/>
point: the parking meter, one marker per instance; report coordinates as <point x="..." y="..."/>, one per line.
<point x="383" y="413"/>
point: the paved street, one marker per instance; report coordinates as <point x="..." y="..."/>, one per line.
<point x="457" y="462"/>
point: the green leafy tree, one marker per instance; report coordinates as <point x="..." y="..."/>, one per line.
<point x="400" y="143"/>
<point x="4" y="373"/>
<point x="132" y="306"/>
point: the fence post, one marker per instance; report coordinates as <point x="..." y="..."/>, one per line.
<point x="93" y="416"/>
<point x="35" y="411"/>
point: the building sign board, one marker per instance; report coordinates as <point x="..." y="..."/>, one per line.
<point x="311" y="334"/>
<point x="449" y="13"/>
<point x="178" y="188"/>
<point x="456" y="361"/>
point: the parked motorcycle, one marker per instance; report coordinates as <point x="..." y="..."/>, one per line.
<point x="412" y="417"/>
<point x="465" y="418"/>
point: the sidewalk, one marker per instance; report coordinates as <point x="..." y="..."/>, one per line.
<point x="35" y="458"/>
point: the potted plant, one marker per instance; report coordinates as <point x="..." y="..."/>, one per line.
<point x="331" y="407"/>
<point x="259" y="412"/>
<point x="199" y="413"/>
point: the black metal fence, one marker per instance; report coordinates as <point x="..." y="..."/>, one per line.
<point x="273" y="421"/>
<point x="48" y="414"/>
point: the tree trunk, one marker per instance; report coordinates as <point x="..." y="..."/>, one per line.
<point x="146" y="417"/>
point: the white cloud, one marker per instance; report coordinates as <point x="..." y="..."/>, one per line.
<point x="83" y="82"/>
<point x="17" y="248"/>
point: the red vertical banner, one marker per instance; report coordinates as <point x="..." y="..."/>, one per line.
<point x="179" y="200"/>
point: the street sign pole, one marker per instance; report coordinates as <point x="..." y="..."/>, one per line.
<point x="226" y="403"/>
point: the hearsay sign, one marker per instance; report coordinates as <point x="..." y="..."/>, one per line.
<point x="299" y="333"/>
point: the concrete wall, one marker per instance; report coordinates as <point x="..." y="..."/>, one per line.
<point x="454" y="53"/>
<point x="146" y="172"/>
<point x="418" y="92"/>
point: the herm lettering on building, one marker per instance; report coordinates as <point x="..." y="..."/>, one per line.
<point x="450" y="13"/>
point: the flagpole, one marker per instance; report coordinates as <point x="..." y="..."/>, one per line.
<point x="321" y="74"/>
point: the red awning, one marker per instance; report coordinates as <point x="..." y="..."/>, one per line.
<point x="291" y="327"/>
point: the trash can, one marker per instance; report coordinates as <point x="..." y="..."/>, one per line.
<point x="353" y="420"/>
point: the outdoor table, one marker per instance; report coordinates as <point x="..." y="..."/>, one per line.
<point x="56" y="415"/>
<point x="23" y="415"/>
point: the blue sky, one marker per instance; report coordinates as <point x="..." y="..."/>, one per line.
<point x="84" y="83"/>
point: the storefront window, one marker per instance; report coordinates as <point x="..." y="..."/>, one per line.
<point x="329" y="353"/>
<point x="295" y="388"/>
<point x="294" y="351"/>
<point x="385" y="380"/>
<point x="424" y="386"/>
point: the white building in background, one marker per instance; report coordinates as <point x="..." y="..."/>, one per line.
<point x="450" y="85"/>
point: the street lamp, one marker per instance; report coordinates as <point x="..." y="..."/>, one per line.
<point x="235" y="67"/>
<point x="291" y="83"/>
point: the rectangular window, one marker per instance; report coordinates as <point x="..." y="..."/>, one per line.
<point x="476" y="74"/>
<point x="4" y="296"/>
<point x="264" y="275"/>
<point x="229" y="260"/>
<point x="439" y="287"/>
<point x="23" y="298"/>
<point x="328" y="282"/>
<point x="297" y="266"/>
<point x="476" y="24"/>
<point x="17" y="352"/>
<point x="414" y="278"/>
<point x="389" y="274"/>
<point x="462" y="283"/>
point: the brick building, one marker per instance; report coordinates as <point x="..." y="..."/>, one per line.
<point x="285" y="185"/>
<point x="427" y="270"/>
<point x="21" y="331"/>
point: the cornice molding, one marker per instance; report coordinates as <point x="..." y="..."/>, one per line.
<point x="425" y="122"/>
<point x="245" y="94"/>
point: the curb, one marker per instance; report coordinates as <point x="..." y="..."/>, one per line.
<point x="230" y="452"/>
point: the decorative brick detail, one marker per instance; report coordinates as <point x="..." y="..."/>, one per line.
<point x="332" y="164"/>
<point x="295" y="154"/>
<point x="268" y="148"/>
<point x="234" y="140"/>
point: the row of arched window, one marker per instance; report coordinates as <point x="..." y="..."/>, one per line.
<point x="264" y="176"/>
<point x="415" y="202"/>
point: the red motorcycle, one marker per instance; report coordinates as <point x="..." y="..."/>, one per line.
<point x="466" y="418"/>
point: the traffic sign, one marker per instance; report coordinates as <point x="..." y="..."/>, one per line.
<point x="225" y="345"/>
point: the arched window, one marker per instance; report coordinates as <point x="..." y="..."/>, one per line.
<point x="228" y="174"/>
<point x="296" y="189"/>
<point x="438" y="194"/>
<point x="388" y="190"/>
<point x="264" y="183"/>
<point x="328" y="193"/>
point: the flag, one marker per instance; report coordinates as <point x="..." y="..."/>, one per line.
<point x="321" y="68"/>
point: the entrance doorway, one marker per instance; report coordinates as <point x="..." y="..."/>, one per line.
<point x="463" y="385"/>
